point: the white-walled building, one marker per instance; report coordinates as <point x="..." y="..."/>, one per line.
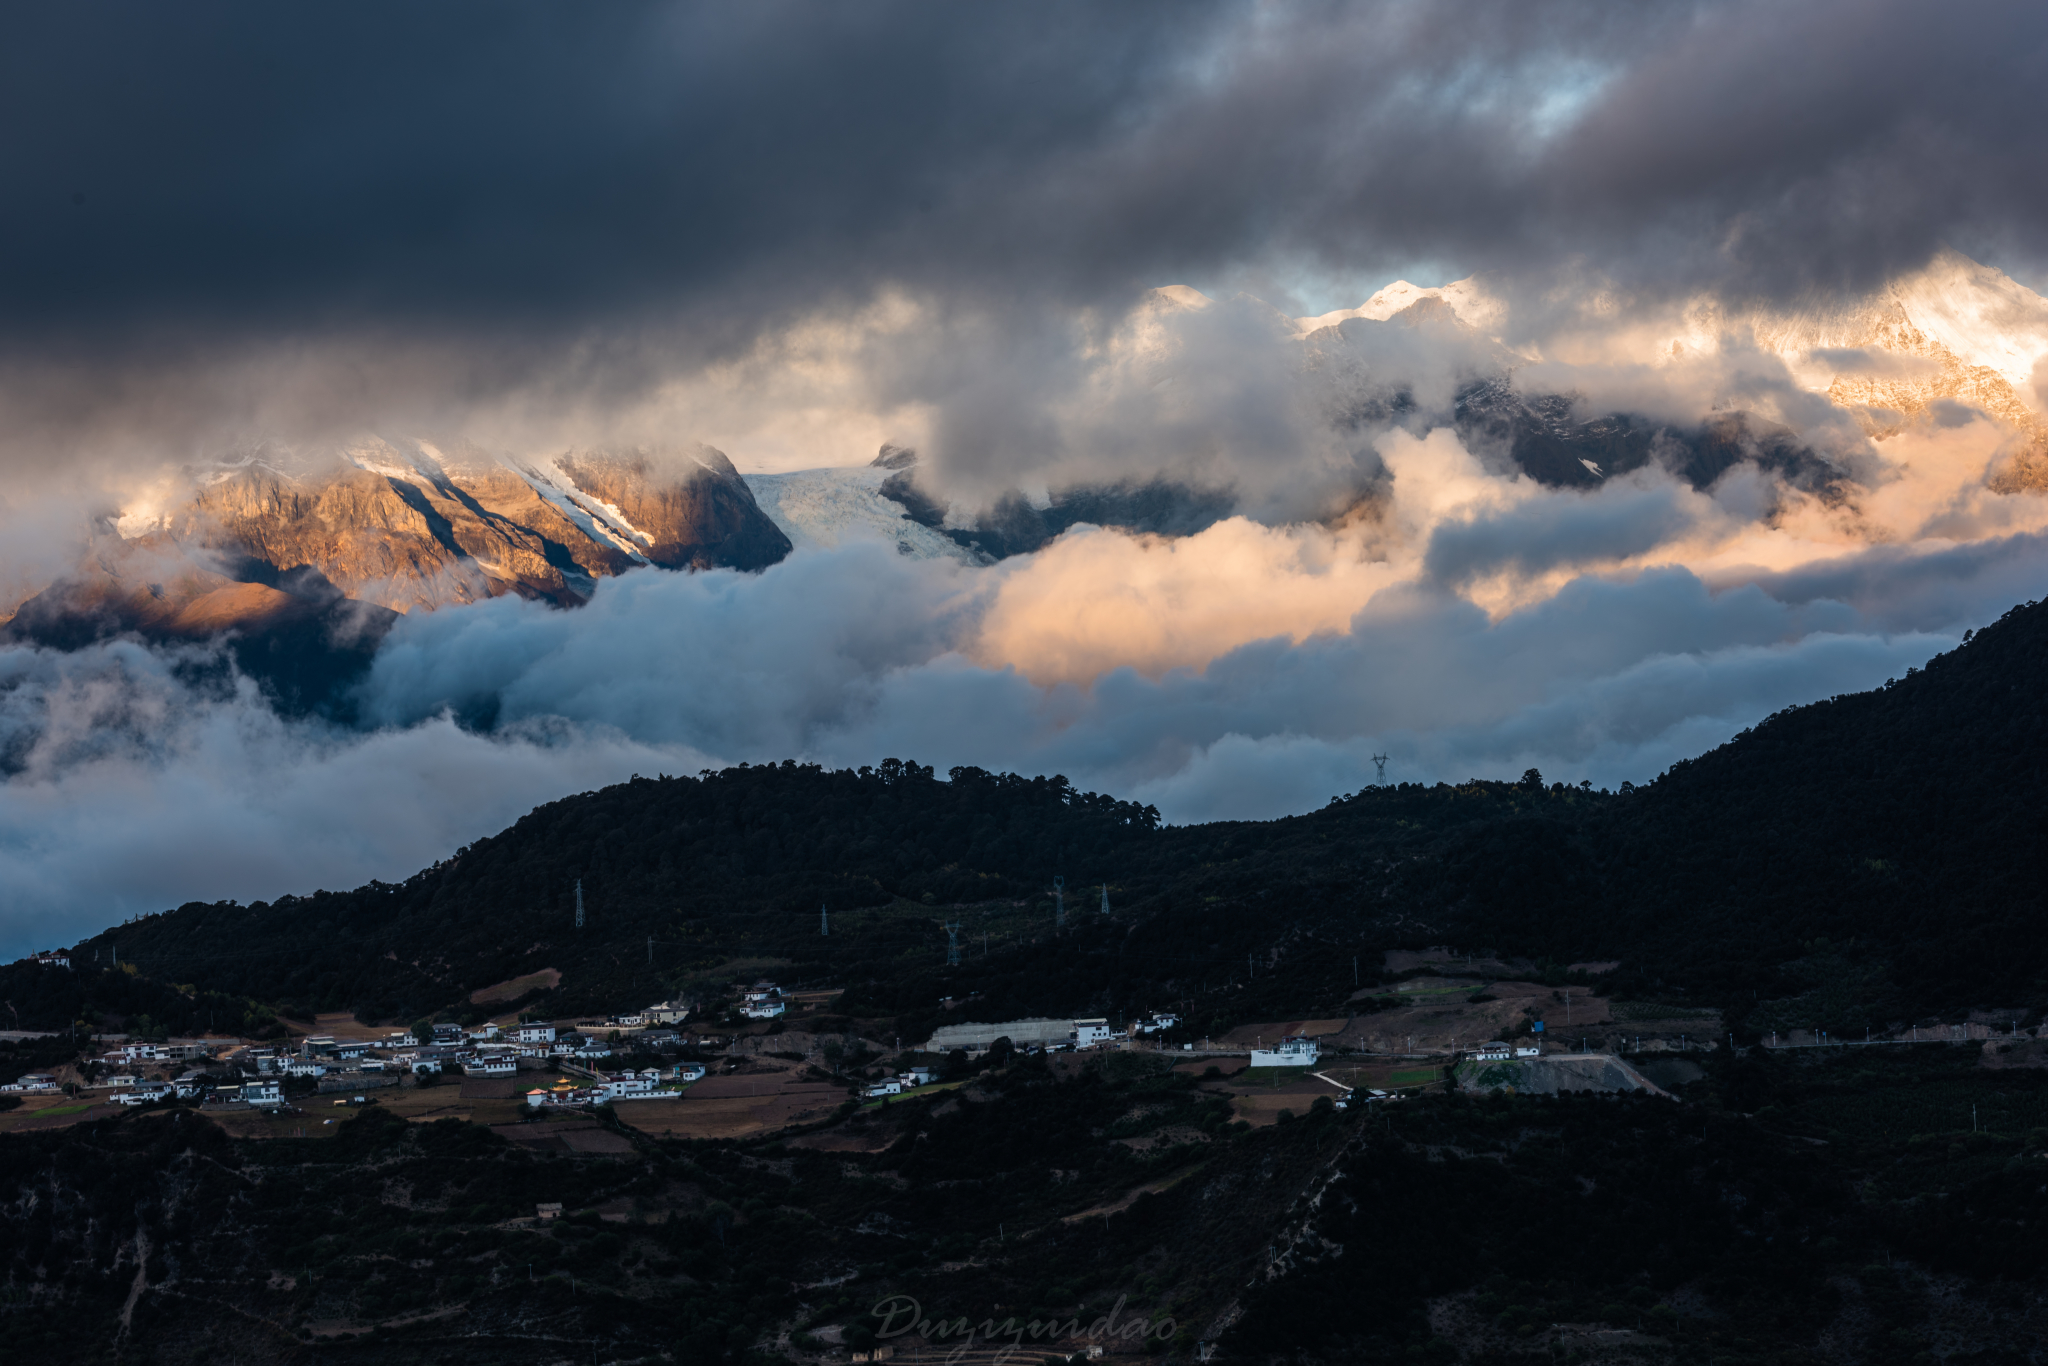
<point x="1088" y="1033"/>
<point x="1296" y="1050"/>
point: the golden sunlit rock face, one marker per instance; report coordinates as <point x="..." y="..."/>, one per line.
<point x="407" y="528"/>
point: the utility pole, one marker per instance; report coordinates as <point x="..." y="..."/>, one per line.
<point x="1354" y="974"/>
<point x="952" y="943"/>
<point x="579" y="903"/>
<point x="650" y="950"/>
<point x="824" y="922"/>
<point x="1059" y="901"/>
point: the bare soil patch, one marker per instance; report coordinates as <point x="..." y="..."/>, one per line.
<point x="341" y="1025"/>
<point x="741" y="1111"/>
<point x="751" y="1084"/>
<point x="54" y="1112"/>
<point x="1260" y="1101"/>
<point x="586" y="1138"/>
<point x="1229" y="1067"/>
<point x="516" y="987"/>
<point x="256" y="1124"/>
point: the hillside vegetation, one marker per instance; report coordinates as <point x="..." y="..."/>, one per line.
<point x="1872" y="857"/>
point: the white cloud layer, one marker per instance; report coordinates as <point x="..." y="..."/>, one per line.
<point x="1388" y="591"/>
<point x="1479" y="628"/>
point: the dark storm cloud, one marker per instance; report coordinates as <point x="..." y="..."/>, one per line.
<point x="1621" y="520"/>
<point x="519" y="160"/>
<point x="494" y="165"/>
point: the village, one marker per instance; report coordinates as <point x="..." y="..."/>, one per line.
<point x="751" y="1060"/>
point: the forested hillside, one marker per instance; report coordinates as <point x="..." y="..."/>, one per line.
<point x="1866" y="858"/>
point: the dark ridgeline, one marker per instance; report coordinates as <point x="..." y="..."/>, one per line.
<point x="1871" y="855"/>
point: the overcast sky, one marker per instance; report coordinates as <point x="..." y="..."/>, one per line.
<point x="521" y="183"/>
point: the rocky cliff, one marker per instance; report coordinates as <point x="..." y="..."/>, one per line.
<point x="315" y="553"/>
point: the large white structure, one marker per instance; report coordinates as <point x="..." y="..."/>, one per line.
<point x="1296" y="1050"/>
<point x="976" y="1037"/>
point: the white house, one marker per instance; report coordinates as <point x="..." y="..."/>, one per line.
<point x="1492" y="1052"/>
<point x="626" y="1085"/>
<point x="55" y="958"/>
<point x="763" y="991"/>
<point x="1296" y="1050"/>
<point x="763" y="1010"/>
<point x="495" y="1066"/>
<point x="690" y="1071"/>
<point x="263" y="1093"/>
<point x="1153" y="1024"/>
<point x="1090" y="1032"/>
<point x="1528" y="1051"/>
<point x="666" y="1013"/>
<point x="891" y="1087"/>
<point x="535" y="1033"/>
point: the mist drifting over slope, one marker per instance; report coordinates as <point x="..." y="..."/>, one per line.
<point x="796" y="233"/>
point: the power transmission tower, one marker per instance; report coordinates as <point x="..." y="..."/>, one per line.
<point x="1059" y="898"/>
<point x="824" y="923"/>
<point x="1105" y="898"/>
<point x="1381" y="761"/>
<point x="952" y="943"/>
<point x="579" y="903"/>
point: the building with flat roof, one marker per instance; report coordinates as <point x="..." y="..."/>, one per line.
<point x="976" y="1038"/>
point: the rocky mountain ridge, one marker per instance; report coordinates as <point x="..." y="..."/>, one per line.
<point x="308" y="557"/>
<point x="1954" y="331"/>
